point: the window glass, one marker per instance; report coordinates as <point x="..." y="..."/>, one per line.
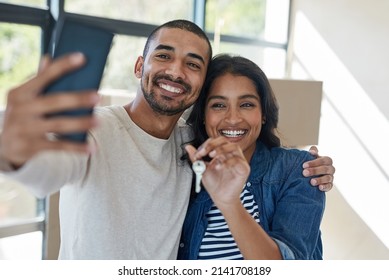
<point x="119" y="71"/>
<point x="244" y="18"/>
<point x="119" y="75"/>
<point x="22" y="247"/>
<point x="16" y="203"/>
<point x="271" y="60"/>
<point x="258" y="19"/>
<point x="19" y="55"/>
<point x="31" y="3"/>
<point x="147" y="11"/>
<point x="19" y="59"/>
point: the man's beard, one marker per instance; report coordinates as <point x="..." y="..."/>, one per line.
<point x="164" y="108"/>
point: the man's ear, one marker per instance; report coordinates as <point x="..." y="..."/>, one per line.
<point x="138" y="67"/>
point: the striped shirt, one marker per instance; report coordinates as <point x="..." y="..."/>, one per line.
<point x="218" y="242"/>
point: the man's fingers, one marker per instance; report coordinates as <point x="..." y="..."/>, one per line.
<point x="43" y="105"/>
<point x="65" y="101"/>
<point x="44" y="63"/>
<point x="322" y="180"/>
<point x="314" y="151"/>
<point x="326" y="187"/>
<point x="59" y="67"/>
<point x="320" y="170"/>
<point x="50" y="71"/>
<point x="321" y="161"/>
<point x="66" y="125"/>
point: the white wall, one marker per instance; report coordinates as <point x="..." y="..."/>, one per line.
<point x="345" y="44"/>
<point x="358" y="32"/>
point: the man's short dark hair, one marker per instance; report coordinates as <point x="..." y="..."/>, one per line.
<point x="180" y="24"/>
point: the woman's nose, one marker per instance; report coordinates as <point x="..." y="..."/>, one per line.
<point x="233" y="116"/>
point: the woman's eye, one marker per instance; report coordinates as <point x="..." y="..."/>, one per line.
<point x="247" y="105"/>
<point x="217" y="105"/>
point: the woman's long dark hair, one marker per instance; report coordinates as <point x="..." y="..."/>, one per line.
<point x="237" y="66"/>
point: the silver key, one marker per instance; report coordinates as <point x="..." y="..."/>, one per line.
<point x="198" y="168"/>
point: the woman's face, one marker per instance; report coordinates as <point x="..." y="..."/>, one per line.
<point x="233" y="110"/>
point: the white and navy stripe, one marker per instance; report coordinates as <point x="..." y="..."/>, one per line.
<point x="218" y="242"/>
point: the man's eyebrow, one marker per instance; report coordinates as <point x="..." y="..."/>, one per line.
<point x="164" y="47"/>
<point x="170" y="48"/>
<point x="196" y="56"/>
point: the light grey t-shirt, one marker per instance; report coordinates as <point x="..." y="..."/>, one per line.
<point x="127" y="200"/>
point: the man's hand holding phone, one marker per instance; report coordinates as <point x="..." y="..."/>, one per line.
<point x="26" y="126"/>
<point x="73" y="34"/>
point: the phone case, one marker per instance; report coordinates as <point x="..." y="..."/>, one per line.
<point x="74" y="35"/>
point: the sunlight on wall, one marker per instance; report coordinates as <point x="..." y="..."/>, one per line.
<point x="353" y="131"/>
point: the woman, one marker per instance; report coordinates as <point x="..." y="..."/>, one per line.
<point x="277" y="214"/>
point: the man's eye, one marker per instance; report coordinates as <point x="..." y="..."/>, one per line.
<point x="194" y="65"/>
<point x="162" y="56"/>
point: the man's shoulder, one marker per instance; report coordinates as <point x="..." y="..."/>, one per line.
<point x="184" y="131"/>
<point x="106" y="111"/>
<point x="111" y="115"/>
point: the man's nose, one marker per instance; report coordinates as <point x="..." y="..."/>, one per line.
<point x="176" y="70"/>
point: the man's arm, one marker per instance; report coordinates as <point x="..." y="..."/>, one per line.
<point x="49" y="171"/>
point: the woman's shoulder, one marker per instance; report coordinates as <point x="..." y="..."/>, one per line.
<point x="290" y="154"/>
<point x="286" y="161"/>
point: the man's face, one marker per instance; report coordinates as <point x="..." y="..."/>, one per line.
<point x="173" y="71"/>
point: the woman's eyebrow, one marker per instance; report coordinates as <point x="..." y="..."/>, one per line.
<point x="248" y="95"/>
<point x="216" y="97"/>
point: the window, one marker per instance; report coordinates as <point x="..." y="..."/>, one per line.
<point x="121" y="76"/>
<point x="145" y="11"/>
<point x="271" y="60"/>
<point x="37" y="3"/>
<point x="19" y="54"/>
<point x="256" y="29"/>
<point x="232" y="17"/>
<point x="22" y="216"/>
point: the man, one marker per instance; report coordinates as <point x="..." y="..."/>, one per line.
<point x="124" y="194"/>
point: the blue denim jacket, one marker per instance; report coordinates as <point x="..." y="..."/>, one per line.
<point x="291" y="209"/>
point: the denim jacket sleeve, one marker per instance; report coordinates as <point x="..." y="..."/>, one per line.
<point x="298" y="209"/>
<point x="286" y="252"/>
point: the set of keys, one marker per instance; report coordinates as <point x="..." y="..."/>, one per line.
<point x="198" y="168"/>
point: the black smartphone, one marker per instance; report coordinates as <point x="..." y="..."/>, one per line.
<point x="75" y="35"/>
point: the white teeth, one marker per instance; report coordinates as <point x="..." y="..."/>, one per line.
<point x="233" y="133"/>
<point x="170" y="88"/>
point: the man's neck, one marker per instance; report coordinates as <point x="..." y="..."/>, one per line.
<point x="155" y="124"/>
